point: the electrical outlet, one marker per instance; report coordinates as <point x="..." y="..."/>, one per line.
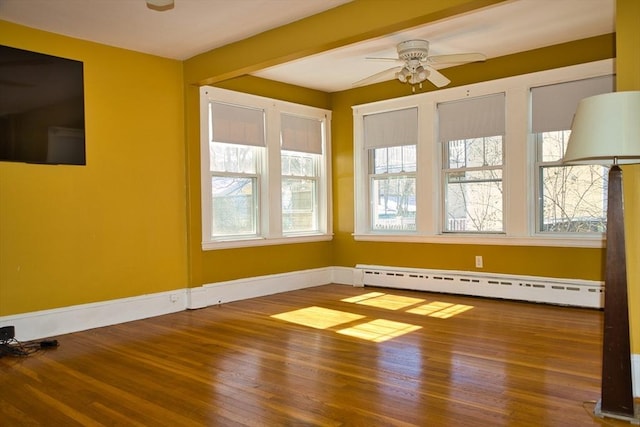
<point x="173" y="297"/>
<point x="478" y="261"/>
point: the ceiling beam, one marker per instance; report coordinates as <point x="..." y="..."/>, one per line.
<point x="346" y="24"/>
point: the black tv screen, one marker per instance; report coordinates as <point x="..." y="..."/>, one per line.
<point x="41" y="108"/>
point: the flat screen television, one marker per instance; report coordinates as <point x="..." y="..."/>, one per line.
<point x="41" y="108"/>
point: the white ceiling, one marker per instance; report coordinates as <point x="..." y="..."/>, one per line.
<point x="196" y="26"/>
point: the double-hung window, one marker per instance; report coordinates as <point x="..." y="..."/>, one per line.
<point x="570" y="199"/>
<point x="471" y="132"/>
<point x="301" y="155"/>
<point x="265" y="170"/>
<point x="235" y="152"/>
<point x="481" y="163"/>
<point x="390" y="141"/>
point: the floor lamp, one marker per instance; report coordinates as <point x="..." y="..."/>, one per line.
<point x="606" y="130"/>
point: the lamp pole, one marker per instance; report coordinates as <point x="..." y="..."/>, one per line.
<point x="617" y="389"/>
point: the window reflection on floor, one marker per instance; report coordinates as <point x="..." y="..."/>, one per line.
<point x="377" y="330"/>
<point x="318" y="317"/>
<point x="382" y="300"/>
<point x="443" y="310"/>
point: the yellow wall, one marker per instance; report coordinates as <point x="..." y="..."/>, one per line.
<point x="628" y="78"/>
<point x="538" y="261"/>
<point x="129" y="222"/>
<point x="117" y="226"/>
<point x="346" y="24"/>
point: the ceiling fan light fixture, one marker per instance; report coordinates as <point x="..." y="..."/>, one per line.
<point x="160" y="5"/>
<point x="421" y="74"/>
<point x="403" y="75"/>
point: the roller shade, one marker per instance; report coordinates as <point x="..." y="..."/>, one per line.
<point x="391" y="129"/>
<point x="472" y="118"/>
<point x="301" y="134"/>
<point x="553" y="106"/>
<point x="235" y="124"/>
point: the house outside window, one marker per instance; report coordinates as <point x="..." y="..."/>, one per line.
<point x="265" y="171"/>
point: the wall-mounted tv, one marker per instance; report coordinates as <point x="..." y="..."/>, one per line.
<point x="41" y="108"/>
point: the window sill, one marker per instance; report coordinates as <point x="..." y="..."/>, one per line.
<point x="485" y="239"/>
<point x="261" y="241"/>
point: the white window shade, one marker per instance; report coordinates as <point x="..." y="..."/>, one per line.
<point x="553" y="106"/>
<point x="391" y="129"/>
<point x="233" y="124"/>
<point x="301" y="134"/>
<point x="472" y="118"/>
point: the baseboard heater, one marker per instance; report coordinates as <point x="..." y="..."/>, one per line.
<point x="568" y="292"/>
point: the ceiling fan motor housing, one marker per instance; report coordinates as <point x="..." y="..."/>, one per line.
<point x="413" y="49"/>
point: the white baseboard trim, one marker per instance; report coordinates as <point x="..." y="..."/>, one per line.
<point x="60" y="321"/>
<point x="50" y="323"/>
<point x="253" y="287"/>
<point x="65" y="320"/>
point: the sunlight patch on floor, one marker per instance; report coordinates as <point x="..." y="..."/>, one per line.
<point x="379" y="330"/>
<point x="318" y="317"/>
<point x="442" y="310"/>
<point x="382" y="300"/>
<point x="363" y="297"/>
<point x="439" y="309"/>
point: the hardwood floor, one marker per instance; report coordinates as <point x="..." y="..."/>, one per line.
<point x="398" y="359"/>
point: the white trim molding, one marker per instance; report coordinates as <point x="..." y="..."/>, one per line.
<point x="75" y="318"/>
<point x="60" y="321"/>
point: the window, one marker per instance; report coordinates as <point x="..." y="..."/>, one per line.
<point x="571" y="199"/>
<point x="390" y="140"/>
<point x="237" y="136"/>
<point x="265" y="171"/>
<point x="480" y="164"/>
<point x="471" y="133"/>
<point x="301" y="156"/>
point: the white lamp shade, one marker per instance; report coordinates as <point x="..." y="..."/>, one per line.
<point x="606" y="128"/>
<point x="160" y="5"/>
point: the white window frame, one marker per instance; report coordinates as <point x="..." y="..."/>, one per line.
<point x="519" y="171"/>
<point x="270" y="192"/>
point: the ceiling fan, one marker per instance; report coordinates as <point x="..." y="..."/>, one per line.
<point x="417" y="65"/>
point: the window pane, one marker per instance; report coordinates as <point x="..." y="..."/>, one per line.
<point x="475" y="152"/>
<point x="299" y="212"/>
<point x="298" y="164"/>
<point x="553" y="145"/>
<point x="574" y="198"/>
<point x="234" y="206"/>
<point x="474" y="201"/>
<point x="394" y="203"/>
<point x="232" y="158"/>
<point x="394" y="159"/>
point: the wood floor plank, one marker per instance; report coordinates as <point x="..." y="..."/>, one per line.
<point x="264" y="362"/>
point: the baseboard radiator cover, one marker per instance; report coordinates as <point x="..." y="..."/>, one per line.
<point x="567" y="292"/>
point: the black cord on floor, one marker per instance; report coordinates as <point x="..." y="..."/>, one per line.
<point x="13" y="347"/>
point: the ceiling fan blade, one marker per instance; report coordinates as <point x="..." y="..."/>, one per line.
<point x="374" y="58"/>
<point x="436" y="77"/>
<point x="378" y="77"/>
<point x="456" y="58"/>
